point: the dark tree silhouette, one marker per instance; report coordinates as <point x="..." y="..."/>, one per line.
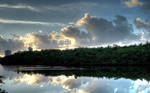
<point x="134" y="55"/>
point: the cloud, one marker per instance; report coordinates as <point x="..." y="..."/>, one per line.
<point x="82" y="6"/>
<point x="81" y="38"/>
<point x="69" y="82"/>
<point x="105" y="85"/>
<point x="133" y="3"/>
<point x="97" y="87"/>
<point x="49" y="6"/>
<point x="19" y="6"/>
<point x="141" y="25"/>
<point x="32" y="79"/>
<point x="103" y="31"/>
<point x="86" y="32"/>
<point x="37" y="41"/>
<point x="30" y="83"/>
<point x="11" y="44"/>
<point x="10" y="21"/>
<point x="141" y="86"/>
<point x="43" y="41"/>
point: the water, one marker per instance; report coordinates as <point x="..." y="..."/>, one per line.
<point x="62" y="80"/>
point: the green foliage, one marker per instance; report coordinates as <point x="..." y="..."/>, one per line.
<point x="128" y="55"/>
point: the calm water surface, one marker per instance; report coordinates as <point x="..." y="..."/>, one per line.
<point x="14" y="81"/>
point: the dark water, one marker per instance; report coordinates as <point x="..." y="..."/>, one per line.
<point x="35" y="80"/>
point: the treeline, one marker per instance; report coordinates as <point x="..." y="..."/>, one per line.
<point x="135" y="55"/>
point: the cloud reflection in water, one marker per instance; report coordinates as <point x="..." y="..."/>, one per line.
<point x="38" y="83"/>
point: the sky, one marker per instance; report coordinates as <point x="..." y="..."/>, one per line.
<point x="64" y="24"/>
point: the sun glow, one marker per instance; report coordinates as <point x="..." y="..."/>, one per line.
<point x="2" y="55"/>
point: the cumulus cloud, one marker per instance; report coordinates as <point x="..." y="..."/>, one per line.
<point x="105" y="85"/>
<point x="10" y="44"/>
<point x="69" y="82"/>
<point x="80" y="38"/>
<point x="116" y="86"/>
<point x="141" y="86"/>
<point x="28" y="83"/>
<point x="141" y="25"/>
<point x="97" y="87"/>
<point x="133" y="3"/>
<point x="37" y="41"/>
<point x="86" y="32"/>
<point x="104" y="31"/>
<point x="44" y="41"/>
<point x="32" y="79"/>
<point x="41" y="41"/>
<point x="72" y="31"/>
